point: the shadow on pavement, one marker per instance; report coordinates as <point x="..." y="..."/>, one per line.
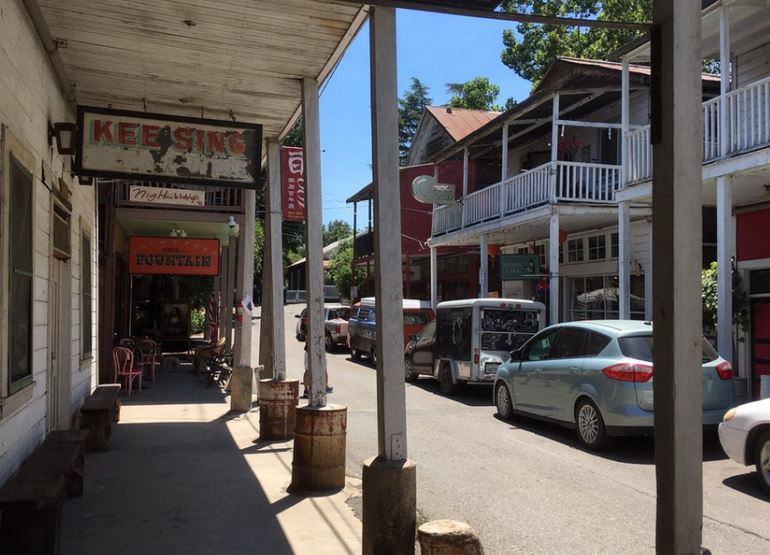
<point x="631" y="450"/>
<point x="748" y="484"/>
<point x="470" y="395"/>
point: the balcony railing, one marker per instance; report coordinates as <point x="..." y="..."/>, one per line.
<point x="219" y="199"/>
<point x="748" y="128"/>
<point x="550" y="183"/>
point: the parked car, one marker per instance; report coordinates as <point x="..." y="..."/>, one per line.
<point x="470" y="339"/>
<point x="362" y="330"/>
<point x="336" y="318"/>
<point x="745" y="436"/>
<point x="596" y="376"/>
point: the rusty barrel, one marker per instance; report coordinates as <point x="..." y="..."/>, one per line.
<point x="277" y="409"/>
<point x="319" y="448"/>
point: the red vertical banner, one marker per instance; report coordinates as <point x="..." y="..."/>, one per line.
<point x="293" y="183"/>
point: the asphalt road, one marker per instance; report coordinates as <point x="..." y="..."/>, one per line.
<point x="526" y="486"/>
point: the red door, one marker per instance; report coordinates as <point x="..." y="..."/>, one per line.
<point x="760" y="342"/>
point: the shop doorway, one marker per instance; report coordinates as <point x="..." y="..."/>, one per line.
<point x="60" y="329"/>
<point x="760" y="342"/>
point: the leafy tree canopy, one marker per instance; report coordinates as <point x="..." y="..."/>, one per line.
<point x="410" y="109"/>
<point x="537" y="47"/>
<point x="477" y="94"/>
<point x="340" y="271"/>
<point x="336" y="230"/>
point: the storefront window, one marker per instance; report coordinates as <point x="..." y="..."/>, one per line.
<point x="596" y="298"/>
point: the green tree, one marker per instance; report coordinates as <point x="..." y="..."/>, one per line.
<point x="336" y="230"/>
<point x="710" y="305"/>
<point x="340" y="271"/>
<point x="410" y="109"/>
<point x="477" y="94"/>
<point x="532" y="53"/>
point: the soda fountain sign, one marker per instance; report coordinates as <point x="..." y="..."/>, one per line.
<point x="175" y="256"/>
<point x="175" y="149"/>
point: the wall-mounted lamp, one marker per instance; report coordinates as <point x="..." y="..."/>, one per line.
<point x="65" y="137"/>
<point x="177" y="231"/>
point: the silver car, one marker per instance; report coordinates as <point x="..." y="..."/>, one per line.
<point x="596" y="377"/>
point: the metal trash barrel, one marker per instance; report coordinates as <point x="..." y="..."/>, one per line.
<point x="319" y="448"/>
<point x="277" y="409"/>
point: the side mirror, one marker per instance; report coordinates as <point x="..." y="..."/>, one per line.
<point x="516" y="355"/>
<point x="296" y="315"/>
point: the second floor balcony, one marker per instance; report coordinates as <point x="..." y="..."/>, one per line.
<point x="551" y="183"/>
<point x="744" y="126"/>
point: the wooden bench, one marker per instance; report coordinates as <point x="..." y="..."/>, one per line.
<point x="32" y="499"/>
<point x="97" y="414"/>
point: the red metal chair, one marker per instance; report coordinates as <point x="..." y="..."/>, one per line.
<point x="124" y="367"/>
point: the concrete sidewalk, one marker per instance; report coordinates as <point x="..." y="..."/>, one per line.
<point x="184" y="476"/>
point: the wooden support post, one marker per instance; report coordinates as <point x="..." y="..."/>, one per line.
<point x="677" y="204"/>
<point x="725" y="249"/>
<point x="624" y="120"/>
<point x="624" y="261"/>
<point x="724" y="80"/>
<point x="314" y="244"/>
<point x="245" y="279"/>
<point x="483" y="267"/>
<point x="275" y="250"/>
<point x="553" y="268"/>
<point x="433" y="277"/>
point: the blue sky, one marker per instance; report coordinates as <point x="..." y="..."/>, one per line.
<point x="437" y="49"/>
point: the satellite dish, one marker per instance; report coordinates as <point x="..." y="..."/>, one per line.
<point x="425" y="188"/>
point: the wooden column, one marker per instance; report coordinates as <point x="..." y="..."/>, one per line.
<point x="245" y="279"/>
<point x="433" y="277"/>
<point x="274" y="223"/>
<point x="725" y="249"/>
<point x="483" y="267"/>
<point x="553" y="268"/>
<point x="314" y="281"/>
<point x="677" y="241"/>
<point x="624" y="260"/>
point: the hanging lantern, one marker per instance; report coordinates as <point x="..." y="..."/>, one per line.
<point x="493" y="250"/>
<point x="562" y="236"/>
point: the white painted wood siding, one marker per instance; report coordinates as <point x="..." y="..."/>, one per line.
<point x="752" y="65"/>
<point x="29" y="98"/>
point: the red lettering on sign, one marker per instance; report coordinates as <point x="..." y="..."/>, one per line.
<point x="216" y="142"/>
<point x="150" y="136"/>
<point x="127" y="133"/>
<point x="101" y="131"/>
<point x="199" y="144"/>
<point x="183" y="138"/>
<point x="236" y="143"/>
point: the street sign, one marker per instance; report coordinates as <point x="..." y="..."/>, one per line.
<point x="519" y="267"/>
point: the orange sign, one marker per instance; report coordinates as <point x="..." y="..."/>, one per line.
<point x="171" y="255"/>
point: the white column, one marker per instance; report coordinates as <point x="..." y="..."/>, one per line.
<point x="724" y="80"/>
<point x="483" y="267"/>
<point x="245" y="278"/>
<point x="554" y="146"/>
<point x="503" y="168"/>
<point x="553" y="268"/>
<point x="677" y="204"/>
<point x="433" y="277"/>
<point x="624" y="121"/>
<point x="624" y="261"/>
<point x="725" y="239"/>
<point x="391" y="401"/>
<point x="314" y="244"/>
<point x="466" y="155"/>
<point x="275" y="252"/>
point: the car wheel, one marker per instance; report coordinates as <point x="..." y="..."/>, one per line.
<point x="448" y="387"/>
<point x="503" y="402"/>
<point x="762" y="460"/>
<point x="590" y="425"/>
<point x="411" y="375"/>
<point x="300" y="337"/>
<point x="329" y="343"/>
<point x="355" y="354"/>
<point x="373" y="356"/>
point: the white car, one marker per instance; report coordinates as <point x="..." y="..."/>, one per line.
<point x="745" y="436"/>
<point x="336" y="318"/>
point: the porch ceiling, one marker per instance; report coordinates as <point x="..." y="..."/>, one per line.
<point x="205" y="57"/>
<point x="161" y="227"/>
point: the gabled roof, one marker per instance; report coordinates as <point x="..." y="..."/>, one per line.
<point x="460" y="122"/>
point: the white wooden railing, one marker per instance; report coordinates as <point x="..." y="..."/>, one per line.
<point x="748" y="127"/>
<point x="748" y="109"/>
<point x="551" y="182"/>
<point x="638" y="155"/>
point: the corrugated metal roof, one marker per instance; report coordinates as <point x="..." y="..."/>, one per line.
<point x="460" y="122"/>
<point x="617" y="66"/>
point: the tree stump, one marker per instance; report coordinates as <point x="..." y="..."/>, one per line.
<point x="448" y="537"/>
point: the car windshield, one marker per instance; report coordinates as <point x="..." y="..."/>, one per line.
<point x="427" y="331"/>
<point x="339" y="313"/>
<point x="415" y="318"/>
<point x="640" y="348"/>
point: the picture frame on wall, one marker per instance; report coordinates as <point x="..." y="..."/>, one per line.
<point x="175" y="320"/>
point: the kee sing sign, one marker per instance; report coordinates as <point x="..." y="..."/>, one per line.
<point x="175" y="149"/>
<point x="169" y="255"/>
<point x="293" y="181"/>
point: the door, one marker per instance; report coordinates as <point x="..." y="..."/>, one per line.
<point x="760" y="342"/>
<point x="58" y="382"/>
<point x="564" y="371"/>
<point x="529" y="384"/>
<point x="423" y="352"/>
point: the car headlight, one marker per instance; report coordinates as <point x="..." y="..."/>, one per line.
<point x="729" y="415"/>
